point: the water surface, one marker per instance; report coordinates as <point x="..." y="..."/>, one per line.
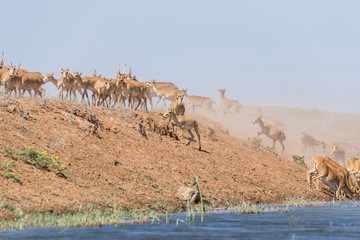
<point x="341" y="221"/>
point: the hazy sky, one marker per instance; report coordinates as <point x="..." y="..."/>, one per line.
<point x="288" y="53"/>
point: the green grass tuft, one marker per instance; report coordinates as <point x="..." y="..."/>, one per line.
<point x="299" y="160"/>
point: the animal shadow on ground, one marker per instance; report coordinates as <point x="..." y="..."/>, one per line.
<point x="202" y="150"/>
<point x="192" y="140"/>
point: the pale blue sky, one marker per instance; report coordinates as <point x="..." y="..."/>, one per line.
<point x="288" y="53"/>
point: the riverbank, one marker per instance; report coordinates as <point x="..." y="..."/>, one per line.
<point x="131" y="159"/>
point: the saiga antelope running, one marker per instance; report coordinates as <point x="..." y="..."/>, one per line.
<point x="184" y="122"/>
<point x="228" y="105"/>
<point x="338" y="154"/>
<point x="308" y="141"/>
<point x="271" y="131"/>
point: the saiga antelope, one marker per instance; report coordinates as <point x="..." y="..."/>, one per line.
<point x="333" y="175"/>
<point x="338" y="154"/>
<point x="165" y="93"/>
<point x="270" y="131"/>
<point x="228" y="105"/>
<point x="308" y="141"/>
<point x="184" y="122"/>
<point x="198" y="101"/>
<point x="178" y="106"/>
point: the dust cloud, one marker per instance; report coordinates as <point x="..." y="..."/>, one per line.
<point x="330" y="127"/>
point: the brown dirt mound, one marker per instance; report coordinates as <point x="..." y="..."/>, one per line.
<point x="133" y="160"/>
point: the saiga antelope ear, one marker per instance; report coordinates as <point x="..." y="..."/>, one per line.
<point x="61" y="70"/>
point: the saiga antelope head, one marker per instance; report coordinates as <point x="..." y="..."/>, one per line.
<point x="12" y="69"/>
<point x="48" y="77"/>
<point x="257" y="118"/>
<point x="64" y="73"/>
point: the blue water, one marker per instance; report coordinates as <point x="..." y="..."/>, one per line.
<point x="326" y="222"/>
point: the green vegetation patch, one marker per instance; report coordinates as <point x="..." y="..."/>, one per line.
<point x="31" y="156"/>
<point x="7" y="167"/>
<point x="299" y="160"/>
<point x="295" y="201"/>
<point x="247" y="207"/>
<point x="84" y="215"/>
<point x="255" y="142"/>
<point x="271" y="149"/>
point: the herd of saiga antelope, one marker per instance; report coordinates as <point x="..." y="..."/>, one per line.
<point x="115" y="91"/>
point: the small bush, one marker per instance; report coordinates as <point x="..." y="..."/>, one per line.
<point x="8" y="172"/>
<point x="11" y="175"/>
<point x="271" y="149"/>
<point x="9" y="151"/>
<point x="299" y="160"/>
<point x="8" y="206"/>
<point x="255" y="142"/>
<point x="34" y="157"/>
<point x="40" y="160"/>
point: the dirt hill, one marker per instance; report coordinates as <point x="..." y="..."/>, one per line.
<point x="132" y="159"/>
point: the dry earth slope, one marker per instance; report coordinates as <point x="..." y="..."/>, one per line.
<point x="131" y="159"/>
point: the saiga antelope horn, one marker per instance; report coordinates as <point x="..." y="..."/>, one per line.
<point x="18" y="70"/>
<point x="2" y="58"/>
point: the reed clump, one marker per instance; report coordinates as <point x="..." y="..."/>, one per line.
<point x="295" y="201"/>
<point x="88" y="215"/>
<point x="248" y="208"/>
